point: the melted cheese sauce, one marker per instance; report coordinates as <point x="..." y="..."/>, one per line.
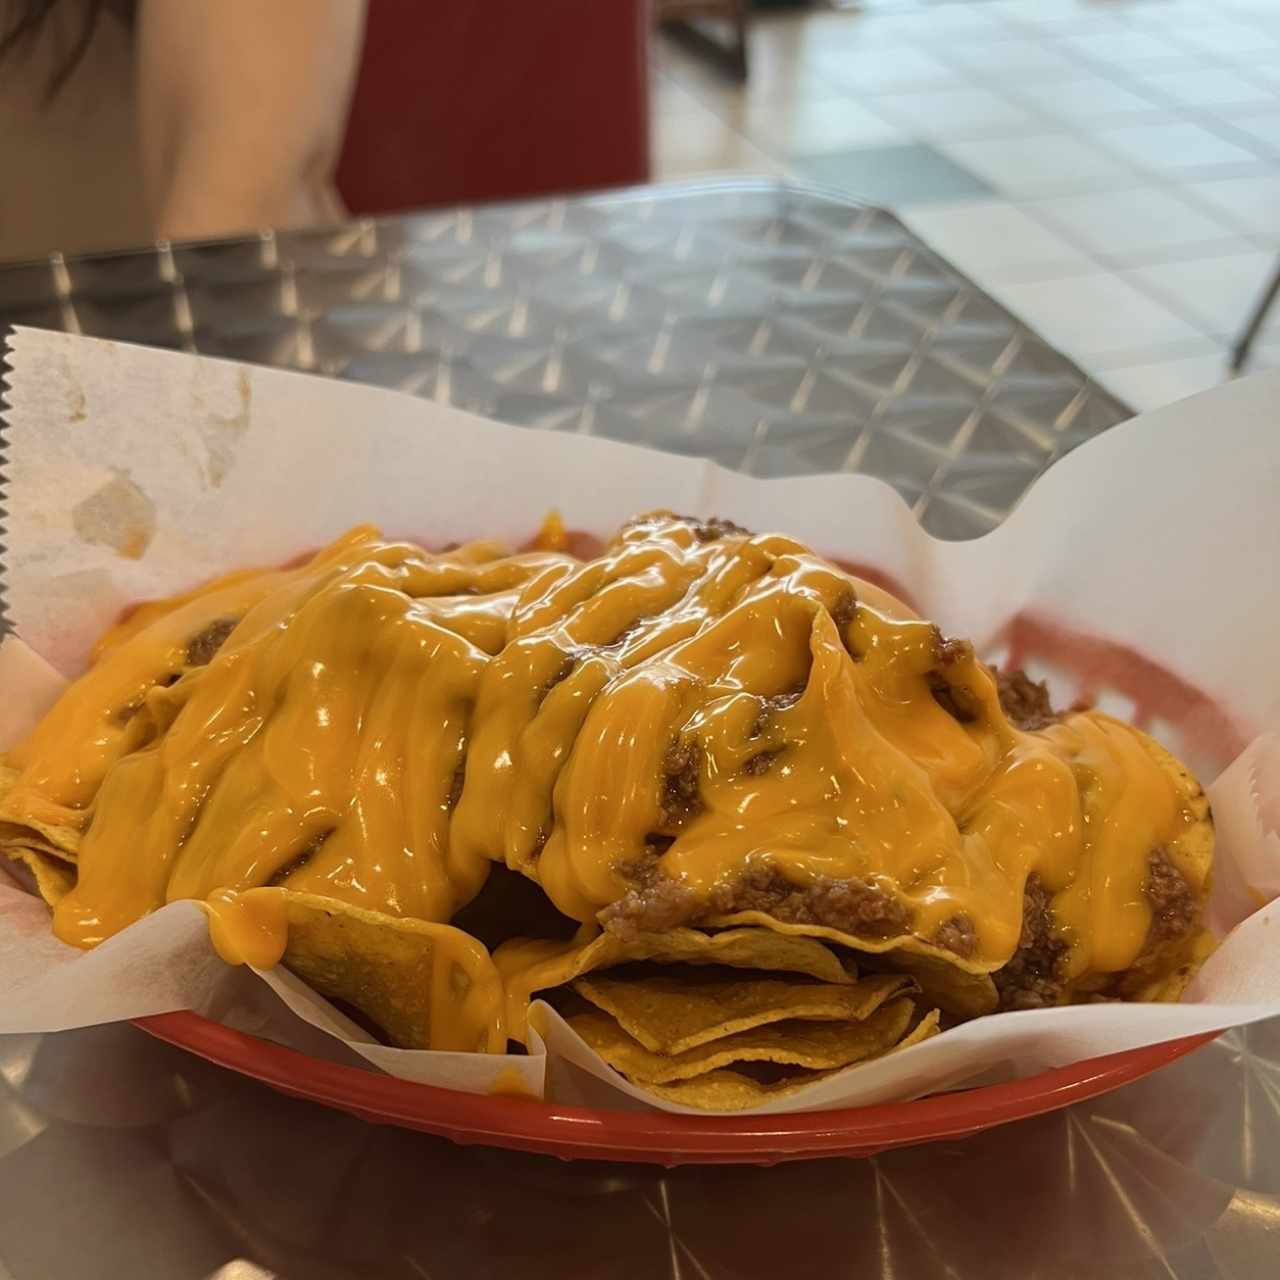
<point x="382" y="724"/>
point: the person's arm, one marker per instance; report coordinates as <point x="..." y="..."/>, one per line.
<point x="242" y="106"/>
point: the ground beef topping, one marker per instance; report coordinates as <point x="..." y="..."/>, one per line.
<point x="1025" y="701"/>
<point x="760" y="763"/>
<point x="852" y="906"/>
<point x="1174" y="908"/>
<point x="1033" y="977"/>
<point x="843" y="612"/>
<point x="202" y="647"/>
<point x="957" y="935"/>
<point x="779" y="702"/>
<point x="949" y="700"/>
<point x="715" y="528"/>
<point x="708" y="530"/>
<point x="954" y="698"/>
<point x="657" y="904"/>
<point x="681" y="769"/>
<point x="952" y="651"/>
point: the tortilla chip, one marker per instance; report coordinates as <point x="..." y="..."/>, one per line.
<point x="427" y="986"/>
<point x="952" y="989"/>
<point x="925" y="1029"/>
<point x="529" y="965"/>
<point x="900" y="943"/>
<point x="28" y="813"/>
<point x="814" y="1045"/>
<point x="1192" y="851"/>
<point x="670" y="1016"/>
<point x="1167" y="986"/>
<point x="62" y="841"/>
<point x="53" y="877"/>
<point x="731" y="1090"/>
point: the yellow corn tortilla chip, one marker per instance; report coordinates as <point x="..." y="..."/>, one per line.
<point x="62" y="841"/>
<point x="955" y="990"/>
<point x="21" y="838"/>
<point x="1176" y="972"/>
<point x="670" y="1016"/>
<point x="54" y="878"/>
<point x="427" y="986"/>
<point x="925" y="1029"/>
<point x="900" y="943"/>
<point x="530" y="965"/>
<point x="730" y="1090"/>
<point x="23" y="814"/>
<point x="814" y="1045"/>
<point x="1192" y="851"/>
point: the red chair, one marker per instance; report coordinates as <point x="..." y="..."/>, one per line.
<point x="461" y="101"/>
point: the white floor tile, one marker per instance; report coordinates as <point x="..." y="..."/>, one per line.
<point x="1174" y="146"/>
<point x="704" y="144"/>
<point x="939" y="24"/>
<point x="1095" y="315"/>
<point x="1148" y="386"/>
<point x="1129" y="226"/>
<point x="956" y="113"/>
<point x="991" y="241"/>
<point x="874" y="70"/>
<point x="810" y="126"/>
<point x="1266" y="67"/>
<point x="668" y="98"/>
<point x="1263" y="128"/>
<point x="1222" y="38"/>
<point x="1008" y="60"/>
<point x="1209" y="87"/>
<point x="1251" y="203"/>
<point x="1056" y="16"/>
<point x="1130" y="50"/>
<point x="1254" y="8"/>
<point x="1037" y="164"/>
<point x="1164" y="14"/>
<point x="1086" y="99"/>
<point x="1217" y="292"/>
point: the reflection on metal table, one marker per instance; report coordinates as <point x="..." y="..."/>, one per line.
<point x="779" y="331"/>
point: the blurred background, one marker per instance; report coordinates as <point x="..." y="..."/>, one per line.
<point x="1109" y="170"/>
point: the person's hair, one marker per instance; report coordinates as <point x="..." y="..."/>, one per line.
<point x="31" y="17"/>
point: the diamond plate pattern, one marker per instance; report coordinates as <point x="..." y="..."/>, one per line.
<point x="777" y="330"/>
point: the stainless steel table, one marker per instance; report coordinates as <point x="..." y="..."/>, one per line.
<point x="779" y="331"/>
<point x="776" y="330"/>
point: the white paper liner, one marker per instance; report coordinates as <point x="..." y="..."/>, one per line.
<point x="133" y="473"/>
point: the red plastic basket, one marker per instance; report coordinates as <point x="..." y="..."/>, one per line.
<point x="654" y="1137"/>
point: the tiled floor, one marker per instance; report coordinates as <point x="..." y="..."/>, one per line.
<point x="1109" y="169"/>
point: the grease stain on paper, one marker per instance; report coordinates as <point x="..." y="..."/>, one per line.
<point x="117" y="515"/>
<point x="77" y="404"/>
<point x="221" y="432"/>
